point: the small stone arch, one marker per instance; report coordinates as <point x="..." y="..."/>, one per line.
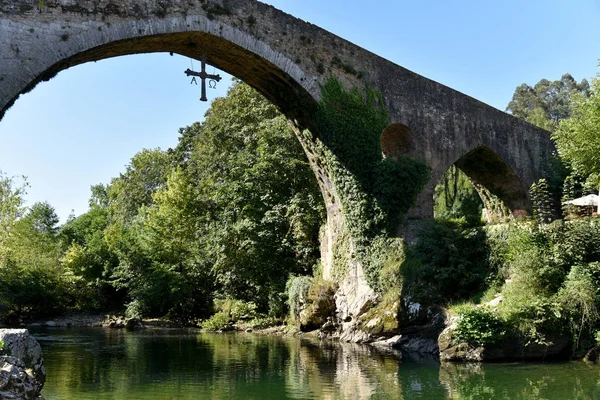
<point x="397" y="139"/>
<point x="498" y="184"/>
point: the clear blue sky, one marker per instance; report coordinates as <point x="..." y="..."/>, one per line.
<point x="82" y="127"/>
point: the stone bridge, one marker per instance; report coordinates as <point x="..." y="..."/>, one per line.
<point x="287" y="60"/>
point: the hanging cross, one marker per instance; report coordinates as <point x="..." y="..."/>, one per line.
<point x="203" y="75"/>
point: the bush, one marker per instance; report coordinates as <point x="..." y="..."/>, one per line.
<point x="579" y="299"/>
<point x="232" y="311"/>
<point x="29" y="293"/>
<point x="480" y="327"/>
<point x="218" y="322"/>
<point x="553" y="272"/>
<point x="236" y="309"/>
<point x="446" y="264"/>
<point x="262" y="322"/>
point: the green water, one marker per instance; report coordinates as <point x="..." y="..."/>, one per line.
<point x="111" y="364"/>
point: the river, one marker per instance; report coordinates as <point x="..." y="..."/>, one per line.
<point x="100" y="364"/>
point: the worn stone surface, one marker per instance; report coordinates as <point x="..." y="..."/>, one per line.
<point x="354" y="296"/>
<point x="319" y="310"/>
<point x="352" y="299"/>
<point x="15" y="381"/>
<point x="22" y="372"/>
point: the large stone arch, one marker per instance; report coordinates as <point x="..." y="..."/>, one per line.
<point x="236" y="36"/>
<point x="273" y="74"/>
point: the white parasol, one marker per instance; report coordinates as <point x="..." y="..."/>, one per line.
<point x="589" y="200"/>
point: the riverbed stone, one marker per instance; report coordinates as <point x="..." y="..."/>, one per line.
<point x="133" y="324"/>
<point x="22" y="372"/>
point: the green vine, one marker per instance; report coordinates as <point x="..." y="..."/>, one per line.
<point x="374" y="192"/>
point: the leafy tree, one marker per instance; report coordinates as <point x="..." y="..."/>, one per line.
<point x="33" y="241"/>
<point x="12" y="207"/>
<point x="231" y="211"/>
<point x="259" y="194"/>
<point x="162" y="266"/>
<point x="578" y="138"/>
<point x="146" y="173"/>
<point x="43" y="218"/>
<point x="33" y="282"/>
<point x="99" y="196"/>
<point x="89" y="258"/>
<point x="548" y="102"/>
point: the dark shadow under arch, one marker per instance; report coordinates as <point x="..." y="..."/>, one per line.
<point x="490" y="173"/>
<point x="397" y="140"/>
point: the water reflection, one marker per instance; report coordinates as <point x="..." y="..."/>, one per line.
<point x="531" y="381"/>
<point x="112" y="364"/>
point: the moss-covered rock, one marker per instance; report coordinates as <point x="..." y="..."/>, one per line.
<point x="320" y="305"/>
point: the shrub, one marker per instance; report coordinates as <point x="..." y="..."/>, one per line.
<point x="262" y="322"/>
<point x="446" y="263"/>
<point x="28" y="293"/>
<point x="236" y="309"/>
<point x="536" y="317"/>
<point x="480" y="327"/>
<point x="579" y="298"/>
<point x="218" y="322"/>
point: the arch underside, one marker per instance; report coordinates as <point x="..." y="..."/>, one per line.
<point x="495" y="180"/>
<point x="277" y="86"/>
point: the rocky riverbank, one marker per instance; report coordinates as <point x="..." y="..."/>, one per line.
<point x="22" y="372"/>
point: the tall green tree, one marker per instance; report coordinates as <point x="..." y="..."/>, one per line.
<point x="146" y="173"/>
<point x="264" y="205"/>
<point x="34" y="283"/>
<point x="170" y="273"/>
<point x="548" y="102"/>
<point x="12" y="207"/>
<point x="578" y="138"/>
<point x="43" y="218"/>
<point x="230" y="212"/>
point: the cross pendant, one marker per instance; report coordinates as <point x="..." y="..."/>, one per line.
<point x="203" y="75"/>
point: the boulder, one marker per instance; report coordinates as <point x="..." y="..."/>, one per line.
<point x="133" y="324"/>
<point x="22" y="372"/>
<point x="511" y="347"/>
<point x="319" y="308"/>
